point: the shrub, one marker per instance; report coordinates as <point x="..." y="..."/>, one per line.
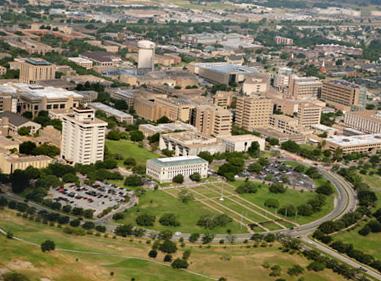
<point x="152" y="253"/>
<point x="145" y="220"/>
<point x="178" y="179"/>
<point x="272" y="203"/>
<point x="277" y="188"/>
<point x="48" y="245"/>
<point x="169" y="220"/>
<point x="180" y="264"/>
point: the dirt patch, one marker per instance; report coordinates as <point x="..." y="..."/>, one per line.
<point x="20" y="265"/>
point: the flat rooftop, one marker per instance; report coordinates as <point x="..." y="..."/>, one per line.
<point x="228" y="68"/>
<point x="37" y="61"/>
<point x="179" y="160"/>
<point x="358" y="140"/>
<point x="37" y="92"/>
<point x="110" y="110"/>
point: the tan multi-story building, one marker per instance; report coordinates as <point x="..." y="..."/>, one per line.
<point x="343" y="95"/>
<point x="255" y="84"/>
<point x="253" y="112"/>
<point x="223" y="98"/>
<point x="285" y="124"/>
<point x="31" y="46"/>
<point x="152" y="106"/>
<point x="367" y="121"/>
<point x="11" y="162"/>
<point x="309" y="114"/>
<point x="86" y="63"/>
<point x="304" y="87"/>
<point x="212" y="120"/>
<point x="173" y="108"/>
<point x="33" y="70"/>
<point x="83" y="137"/>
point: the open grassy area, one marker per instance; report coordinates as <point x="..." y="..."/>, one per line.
<point x="130" y="149"/>
<point x="291" y="196"/>
<point x="93" y="258"/>
<point x="158" y="203"/>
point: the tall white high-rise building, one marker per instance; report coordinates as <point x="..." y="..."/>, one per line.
<point x="83" y="137"/>
<point x="146" y="56"/>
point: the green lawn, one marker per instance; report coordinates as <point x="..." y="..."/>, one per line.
<point x="370" y="244"/>
<point x="158" y="203"/>
<point x="130" y="149"/>
<point x="294" y="197"/>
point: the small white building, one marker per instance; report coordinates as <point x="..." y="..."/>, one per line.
<point x="241" y="143"/>
<point x="165" y="169"/>
<point x="120" y="116"/>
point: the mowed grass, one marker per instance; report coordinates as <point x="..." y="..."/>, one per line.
<point x="127" y="259"/>
<point x="129" y="149"/>
<point x="159" y="202"/>
<point x="291" y="196"/>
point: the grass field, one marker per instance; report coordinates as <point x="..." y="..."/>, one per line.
<point x="158" y="203"/>
<point x="294" y="197"/>
<point x="91" y="258"/>
<point x="130" y="149"/>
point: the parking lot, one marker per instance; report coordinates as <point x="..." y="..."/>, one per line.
<point x="277" y="171"/>
<point x="98" y="197"/>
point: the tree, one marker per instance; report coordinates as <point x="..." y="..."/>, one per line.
<point x="290" y="146"/>
<point x="169" y="220"/>
<point x="316" y="266"/>
<point x="277" y="188"/>
<point x="27" y="147"/>
<point x="326" y="189"/>
<point x="272" y="203"/>
<point x="145" y="220"/>
<point x="88" y="225"/>
<point x="124" y="230"/>
<point x="248" y="187"/>
<point x="19" y="181"/>
<point x="130" y="162"/>
<point x="152" y="253"/>
<point x="167" y="258"/>
<point x="195" y="177"/>
<point x="48" y="246"/>
<point x="136" y="136"/>
<point x="178" y="179"/>
<point x="133" y="180"/>
<point x="168" y="247"/>
<point x="194" y="237"/>
<point x="295" y="270"/>
<point x="206" y="156"/>
<point x="254" y="149"/>
<point x="154" y="138"/>
<point x="179" y="264"/>
<point x="255" y="168"/>
<point x="185" y="196"/>
<point x="70" y="178"/>
<point x="24" y="131"/>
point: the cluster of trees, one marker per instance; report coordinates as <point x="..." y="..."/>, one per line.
<point x="125" y="230"/>
<point x="235" y="164"/>
<point x="30" y="148"/>
<point x="167" y="219"/>
<point x="248" y="187"/>
<point x="213" y="221"/>
<point x="358" y="255"/>
<point x="319" y="262"/>
<point x="309" y="153"/>
<point x="46" y="217"/>
<point x="169" y="248"/>
<point x="373" y="226"/>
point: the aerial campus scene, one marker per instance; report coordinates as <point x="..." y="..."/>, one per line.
<point x="190" y="140"/>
